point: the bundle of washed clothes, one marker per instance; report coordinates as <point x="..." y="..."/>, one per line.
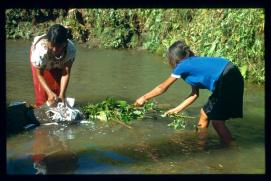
<point x="64" y="111"/>
<point x="22" y="116"/>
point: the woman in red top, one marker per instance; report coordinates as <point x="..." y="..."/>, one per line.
<point x="51" y="57"/>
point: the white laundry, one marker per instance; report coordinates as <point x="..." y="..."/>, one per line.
<point x="64" y="112"/>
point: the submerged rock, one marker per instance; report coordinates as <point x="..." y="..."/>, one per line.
<point x="59" y="162"/>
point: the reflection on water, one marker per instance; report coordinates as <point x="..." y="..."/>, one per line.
<point x="110" y="148"/>
<point x="51" y="153"/>
<point x="150" y="147"/>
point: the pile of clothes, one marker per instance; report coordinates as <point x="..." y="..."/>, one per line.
<point x="64" y="112"/>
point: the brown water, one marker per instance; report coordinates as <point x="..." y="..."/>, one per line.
<point x="150" y="147"/>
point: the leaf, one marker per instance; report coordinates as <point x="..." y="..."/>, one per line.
<point x="122" y="103"/>
<point x="102" y="116"/>
<point x="137" y="112"/>
<point x="210" y="52"/>
<point x="243" y="70"/>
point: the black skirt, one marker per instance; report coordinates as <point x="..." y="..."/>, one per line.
<point x="227" y="99"/>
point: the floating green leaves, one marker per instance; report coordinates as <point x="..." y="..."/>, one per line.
<point x="180" y="121"/>
<point x="116" y="109"/>
<point x="122" y="112"/>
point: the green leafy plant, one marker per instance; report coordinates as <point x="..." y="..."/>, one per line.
<point x="120" y="110"/>
<point x="112" y="109"/>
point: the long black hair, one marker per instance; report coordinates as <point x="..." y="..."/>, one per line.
<point x="57" y="34"/>
<point x="178" y="51"/>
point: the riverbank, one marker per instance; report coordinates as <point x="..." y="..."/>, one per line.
<point x="237" y="34"/>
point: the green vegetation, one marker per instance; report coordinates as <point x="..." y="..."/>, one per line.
<point x="116" y="109"/>
<point x="236" y="34"/>
<point x="180" y="121"/>
<point x="119" y="110"/>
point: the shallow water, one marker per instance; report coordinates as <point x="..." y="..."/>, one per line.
<point x="109" y="148"/>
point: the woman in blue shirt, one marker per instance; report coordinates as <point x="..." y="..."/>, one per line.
<point x="218" y="75"/>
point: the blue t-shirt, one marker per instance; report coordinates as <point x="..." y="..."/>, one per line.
<point x="201" y="72"/>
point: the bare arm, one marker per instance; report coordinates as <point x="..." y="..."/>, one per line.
<point x="160" y="89"/>
<point x="189" y="100"/>
<point x="65" y="80"/>
<point x="51" y="95"/>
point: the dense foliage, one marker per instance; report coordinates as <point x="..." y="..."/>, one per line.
<point x="236" y="34"/>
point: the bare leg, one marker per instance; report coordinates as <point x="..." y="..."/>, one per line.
<point x="202" y="128"/>
<point x="203" y="120"/>
<point x="223" y="132"/>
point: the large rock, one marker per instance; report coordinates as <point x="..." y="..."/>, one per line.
<point x="17" y="118"/>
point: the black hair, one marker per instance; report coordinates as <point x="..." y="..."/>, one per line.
<point x="178" y="51"/>
<point x="57" y="34"/>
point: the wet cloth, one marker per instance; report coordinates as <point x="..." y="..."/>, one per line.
<point x="201" y="72"/>
<point x="227" y="99"/>
<point x="39" y="58"/>
<point x="64" y="112"/>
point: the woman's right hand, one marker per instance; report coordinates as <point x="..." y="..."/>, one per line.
<point x="52" y="99"/>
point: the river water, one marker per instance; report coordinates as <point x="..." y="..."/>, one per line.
<point x="151" y="146"/>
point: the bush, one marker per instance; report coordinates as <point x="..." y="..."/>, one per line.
<point x="236" y="34"/>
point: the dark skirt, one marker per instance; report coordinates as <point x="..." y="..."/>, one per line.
<point x="227" y="99"/>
